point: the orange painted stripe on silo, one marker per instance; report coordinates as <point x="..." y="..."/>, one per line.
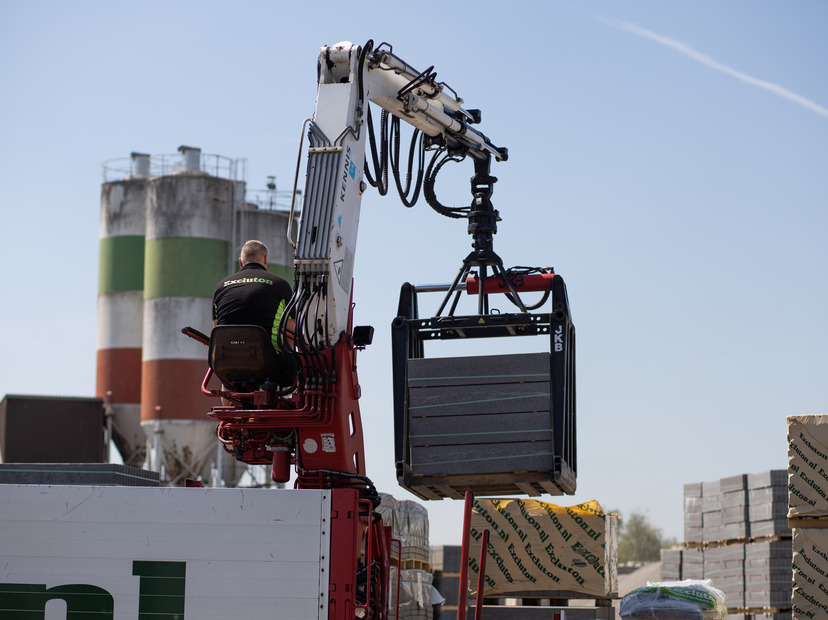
<point x="174" y="385"/>
<point x="119" y="372"/>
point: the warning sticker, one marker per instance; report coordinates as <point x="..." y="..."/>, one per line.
<point x="328" y="442"/>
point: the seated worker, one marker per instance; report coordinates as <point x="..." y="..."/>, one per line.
<point x="254" y="296"/>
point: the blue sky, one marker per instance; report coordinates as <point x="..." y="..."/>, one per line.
<point x="668" y="159"/>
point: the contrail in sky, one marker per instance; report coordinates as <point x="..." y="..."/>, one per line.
<point x="681" y="48"/>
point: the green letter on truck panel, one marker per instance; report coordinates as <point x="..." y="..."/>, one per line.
<point x="162" y="589"/>
<point x="28" y="601"/>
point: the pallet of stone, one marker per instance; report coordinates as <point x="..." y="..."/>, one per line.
<point x="692" y="563"/>
<point x="417" y="594"/>
<point x="768" y="503"/>
<point x="735" y="523"/>
<point x="711" y="510"/>
<point x="712" y="527"/>
<point x="693" y="530"/>
<point x="448" y="585"/>
<point x="768" y="574"/>
<point x="724" y="565"/>
<point x="735" y="519"/>
<point x="671" y="564"/>
<point x="446" y="558"/>
<point x="409" y="524"/>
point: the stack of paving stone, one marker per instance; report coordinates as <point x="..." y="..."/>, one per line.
<point x="445" y="562"/>
<point x="711" y="511"/>
<point x="768" y="574"/>
<point x="768" y="503"/>
<point x="725" y="566"/>
<point x="692" y="563"/>
<point x="736" y="536"/>
<point x="693" y="531"/>
<point x="735" y="518"/>
<point x="671" y="564"/>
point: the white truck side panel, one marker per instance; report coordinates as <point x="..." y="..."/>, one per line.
<point x="247" y="553"/>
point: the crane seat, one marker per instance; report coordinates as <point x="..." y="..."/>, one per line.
<point x="243" y="358"/>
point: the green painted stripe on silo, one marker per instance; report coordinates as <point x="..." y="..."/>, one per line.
<point x="121" y="264"/>
<point x="184" y="267"/>
<point x="281" y="270"/>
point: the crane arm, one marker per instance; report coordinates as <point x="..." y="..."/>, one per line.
<point x="351" y="76"/>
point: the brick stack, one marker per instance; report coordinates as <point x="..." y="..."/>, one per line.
<point x="692" y="563"/>
<point x="725" y="566"/>
<point x="735" y="518"/>
<point x="768" y="574"/>
<point x="736" y="536"/>
<point x="693" y="531"/>
<point x="768" y="503"/>
<point x="711" y="511"/>
<point x="671" y="564"/>
<point x="445" y="562"/>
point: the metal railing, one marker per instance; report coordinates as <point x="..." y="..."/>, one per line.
<point x="123" y="168"/>
<point x="270" y="199"/>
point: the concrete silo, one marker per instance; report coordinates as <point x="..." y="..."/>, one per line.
<point x="121" y="306"/>
<point x="188" y="240"/>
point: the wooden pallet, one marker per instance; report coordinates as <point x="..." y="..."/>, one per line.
<point x="807" y="522"/>
<point x="412" y="564"/>
<point x="774" y="538"/>
<point x="758" y="610"/>
<point x="715" y="544"/>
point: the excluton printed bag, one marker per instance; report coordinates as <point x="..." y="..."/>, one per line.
<point x="675" y="600"/>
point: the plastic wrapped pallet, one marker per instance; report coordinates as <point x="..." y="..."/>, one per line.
<point x="810" y="573"/>
<point x="409" y="525"/>
<point x="538" y="547"/>
<point x="670" y="600"/>
<point x="807" y="466"/>
<point x="417" y="594"/>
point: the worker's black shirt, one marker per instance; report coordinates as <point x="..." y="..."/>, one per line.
<point x="253" y="296"/>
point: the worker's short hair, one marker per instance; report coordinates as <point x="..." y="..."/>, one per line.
<point x="253" y="252"/>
